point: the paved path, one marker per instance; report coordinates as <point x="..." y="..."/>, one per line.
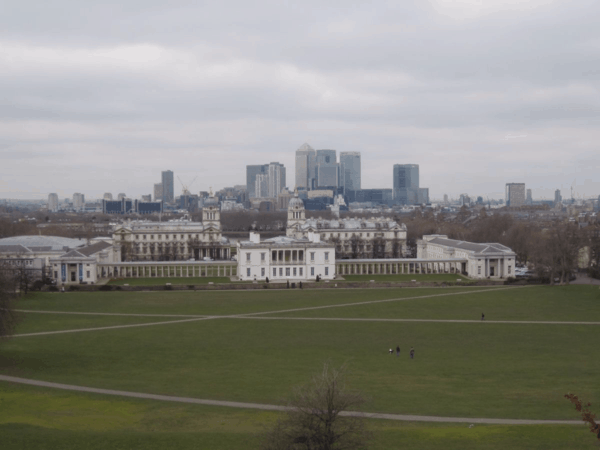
<point x="535" y="322"/>
<point x="37" y="311"/>
<point x="168" y="398"/>
<point x="80" y="330"/>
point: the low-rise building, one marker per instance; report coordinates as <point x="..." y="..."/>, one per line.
<point x="489" y="260"/>
<point x="285" y="258"/>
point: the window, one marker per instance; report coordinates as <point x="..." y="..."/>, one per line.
<point x="159" y="236"/>
<point x="300" y="271"/>
<point x="312" y="271"/>
<point x="151" y="236"/>
<point x="144" y="236"/>
<point x="479" y="271"/>
<point x="312" y="256"/>
<point x="287" y="271"/>
<point x="509" y="268"/>
<point x="294" y="271"/>
<point x="262" y="272"/>
<point x="248" y="271"/>
<point x="248" y="257"/>
<point x="137" y="236"/>
<point x="280" y="272"/>
<point x="274" y="271"/>
<point x="87" y="274"/>
<point x="182" y="236"/>
<point x="326" y="256"/>
<point x="166" y="236"/>
<point x="326" y="270"/>
<point x="56" y="274"/>
<point x="262" y="256"/>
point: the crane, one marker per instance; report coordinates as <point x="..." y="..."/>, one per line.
<point x="185" y="187"/>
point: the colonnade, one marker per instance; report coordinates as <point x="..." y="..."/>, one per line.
<point x="162" y="270"/>
<point x="366" y="267"/>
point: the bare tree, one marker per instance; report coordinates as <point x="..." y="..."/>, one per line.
<point x="8" y="317"/>
<point x="314" y="419"/>
<point x="586" y="415"/>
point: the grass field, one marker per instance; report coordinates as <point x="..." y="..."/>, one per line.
<point x="278" y="339"/>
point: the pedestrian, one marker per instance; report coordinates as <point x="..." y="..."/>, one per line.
<point x="482" y="316"/>
<point x="397" y="350"/>
<point x="391" y="351"/>
<point x="412" y="353"/>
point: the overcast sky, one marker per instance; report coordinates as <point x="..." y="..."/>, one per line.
<point x="101" y="96"/>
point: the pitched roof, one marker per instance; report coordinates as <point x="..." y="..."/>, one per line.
<point x="472" y="246"/>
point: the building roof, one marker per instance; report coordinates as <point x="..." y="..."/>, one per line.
<point x="472" y="246"/>
<point x="43" y="243"/>
<point x="285" y="241"/>
<point x="89" y="250"/>
<point x="351" y="224"/>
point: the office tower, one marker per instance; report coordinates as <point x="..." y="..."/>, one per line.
<point x="158" y="192"/>
<point x="121" y="196"/>
<point x="276" y="180"/>
<point x="107" y="196"/>
<point x="306" y="157"/>
<point x="168" y="187"/>
<point x="146" y="198"/>
<point x="350" y="171"/>
<point x="557" y="196"/>
<point x="446" y="199"/>
<point x="328" y="170"/>
<point x="261" y="185"/>
<point x="515" y="194"/>
<point x="251" y="173"/>
<point x="78" y="200"/>
<point x="406" y="184"/>
<point x="529" y="199"/>
<point x="53" y="202"/>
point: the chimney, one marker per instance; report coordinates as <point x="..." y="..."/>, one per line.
<point x="254" y="237"/>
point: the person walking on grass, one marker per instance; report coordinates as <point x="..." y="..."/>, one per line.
<point x="482" y="316"/>
<point x="412" y="353"/>
<point x="397" y="350"/>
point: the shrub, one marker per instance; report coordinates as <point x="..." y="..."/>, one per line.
<point x="73" y="287"/>
<point x="105" y="287"/>
<point x="52" y="289"/>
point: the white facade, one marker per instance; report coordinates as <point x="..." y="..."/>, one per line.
<point x="53" y="202"/>
<point x="285" y="259"/>
<point x="78" y="201"/>
<point x="489" y="260"/>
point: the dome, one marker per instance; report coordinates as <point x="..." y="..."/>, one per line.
<point x="296" y="202"/>
<point x="211" y="201"/>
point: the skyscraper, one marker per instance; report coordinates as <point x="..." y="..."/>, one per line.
<point x="350" y="171"/>
<point x="261" y="185"/>
<point x="328" y="170"/>
<point x="251" y="173"/>
<point x="515" y="194"/>
<point x="168" y="194"/>
<point x="529" y="200"/>
<point x="276" y="179"/>
<point x="306" y="167"/>
<point x="78" y="201"/>
<point x="557" y="196"/>
<point x="406" y="184"/>
<point x="158" y="192"/>
<point x="53" y="202"/>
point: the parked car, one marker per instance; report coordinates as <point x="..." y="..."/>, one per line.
<point x="207" y="258"/>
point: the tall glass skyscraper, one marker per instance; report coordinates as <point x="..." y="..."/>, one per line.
<point x="328" y="170"/>
<point x="168" y="194"/>
<point x="350" y="171"/>
<point x="306" y="158"/>
<point x="406" y="185"/>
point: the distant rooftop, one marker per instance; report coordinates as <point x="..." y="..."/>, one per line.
<point x="38" y="243"/>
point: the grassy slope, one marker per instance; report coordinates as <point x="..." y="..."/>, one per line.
<point x="35" y="418"/>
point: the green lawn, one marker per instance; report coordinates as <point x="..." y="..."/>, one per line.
<point x="188" y="281"/>
<point x="36" y="418"/>
<point x="403" y="278"/>
<point x="478" y="369"/>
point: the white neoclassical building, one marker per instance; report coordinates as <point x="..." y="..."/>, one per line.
<point x="285" y="258"/>
<point x="489" y="260"/>
<point x="175" y="240"/>
<point x="352" y="237"/>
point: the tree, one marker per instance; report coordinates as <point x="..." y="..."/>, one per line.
<point x="8" y="317"/>
<point x="586" y="415"/>
<point x="314" y="419"/>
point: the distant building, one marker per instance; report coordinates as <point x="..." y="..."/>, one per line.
<point x="328" y="170"/>
<point x="78" y="201"/>
<point x="276" y="180"/>
<point x="158" y="192"/>
<point x="529" y="198"/>
<point x="147" y="198"/>
<point x="285" y="258"/>
<point x="482" y="260"/>
<point x="558" y="197"/>
<point x="121" y="196"/>
<point x="350" y="171"/>
<point x="251" y="173"/>
<point x="53" y="202"/>
<point x="406" y="185"/>
<point x="306" y="163"/>
<point x="108" y="196"/>
<point x="128" y="206"/>
<point x="353" y="238"/>
<point x="515" y="194"/>
<point x="168" y="194"/>
<point x="375" y="196"/>
<point x="446" y="199"/>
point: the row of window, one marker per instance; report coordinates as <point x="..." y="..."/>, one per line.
<point x="289" y="271"/>
<point x="339" y="235"/>
<point x="18" y="262"/>
<point x="263" y="256"/>
<point x="159" y="236"/>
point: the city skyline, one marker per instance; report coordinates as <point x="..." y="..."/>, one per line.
<point x="477" y="94"/>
